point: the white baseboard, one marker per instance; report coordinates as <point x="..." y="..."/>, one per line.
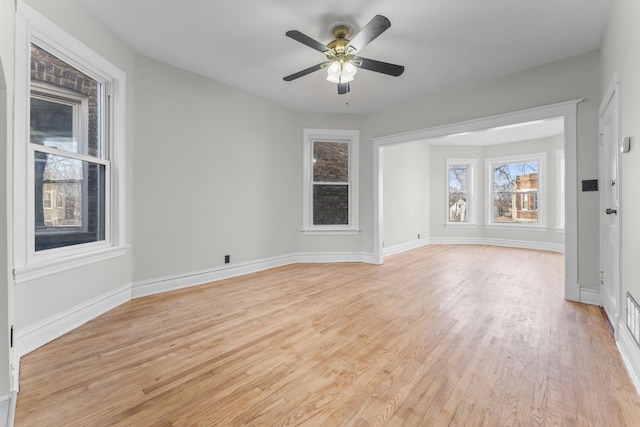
<point x="630" y="354"/>
<point x="28" y="339"/>
<point x="5" y="409"/>
<point x="366" y="258"/>
<point x="170" y="283"/>
<point x="11" y="415"/>
<point x="590" y="296"/>
<point x="398" y="249"/>
<point x="521" y="244"/>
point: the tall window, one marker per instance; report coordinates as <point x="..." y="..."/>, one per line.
<point x="460" y="193"/>
<point x="515" y="188"/>
<point x="69" y="151"/>
<point x="65" y="140"/>
<point x="331" y="183"/>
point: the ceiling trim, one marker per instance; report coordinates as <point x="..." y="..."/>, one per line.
<point x="536" y="113"/>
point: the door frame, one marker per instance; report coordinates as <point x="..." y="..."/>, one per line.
<point x="568" y="110"/>
<point x="611" y="98"/>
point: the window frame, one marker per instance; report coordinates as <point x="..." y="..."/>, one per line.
<point x="541" y="158"/>
<point x="80" y="108"/>
<point x="330" y="135"/>
<point x="32" y="27"/>
<point x="60" y="201"/>
<point x="50" y="199"/>
<point x="472" y="198"/>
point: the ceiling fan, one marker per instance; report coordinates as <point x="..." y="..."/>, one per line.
<point x="342" y="53"/>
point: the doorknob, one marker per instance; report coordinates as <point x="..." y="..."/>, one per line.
<point x="610" y="211"/>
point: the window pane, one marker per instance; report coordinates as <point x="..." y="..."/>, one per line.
<point x="458" y="208"/>
<point x="458" y="179"/>
<point x="65" y="105"/>
<point x="330" y="204"/>
<point x="52" y="124"/>
<point x="78" y="214"/>
<point x="458" y="196"/>
<point x="515" y="192"/>
<point x="515" y="208"/>
<point x="330" y="161"/>
<point x="505" y="176"/>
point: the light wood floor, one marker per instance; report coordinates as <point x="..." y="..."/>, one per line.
<point x="439" y="336"/>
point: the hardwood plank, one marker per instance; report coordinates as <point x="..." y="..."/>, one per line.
<point x="445" y="335"/>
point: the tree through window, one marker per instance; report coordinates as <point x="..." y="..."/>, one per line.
<point x="515" y="188"/>
<point x="458" y="193"/>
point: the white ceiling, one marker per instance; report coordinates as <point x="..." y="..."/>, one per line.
<point x="441" y="43"/>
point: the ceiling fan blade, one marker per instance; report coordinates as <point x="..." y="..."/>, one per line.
<point x="305" y="71"/>
<point x="306" y="40"/>
<point x="369" y="32"/>
<point x="343" y="88"/>
<point x="378" y="66"/>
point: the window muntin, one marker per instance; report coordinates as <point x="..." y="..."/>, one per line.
<point x="64" y="136"/>
<point x="516" y="190"/>
<point x="330" y="181"/>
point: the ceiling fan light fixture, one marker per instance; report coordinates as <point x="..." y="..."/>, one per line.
<point x="334" y="72"/>
<point x="348" y="72"/>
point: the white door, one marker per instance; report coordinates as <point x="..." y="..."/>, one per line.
<point x="609" y="214"/>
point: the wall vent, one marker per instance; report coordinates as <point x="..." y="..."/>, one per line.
<point x="633" y="318"/>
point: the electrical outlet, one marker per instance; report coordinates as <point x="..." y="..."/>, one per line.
<point x="227" y="259"/>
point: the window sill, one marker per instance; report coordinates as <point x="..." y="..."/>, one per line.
<point x="461" y="225"/>
<point x="559" y="229"/>
<point x="46" y="268"/>
<point x="330" y="232"/>
<point x="525" y="227"/>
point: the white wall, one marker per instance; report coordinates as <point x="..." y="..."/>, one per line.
<point x="568" y="79"/>
<point x="406" y="193"/>
<point x="620" y="54"/>
<point x="7" y="22"/>
<point x="218" y="172"/>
